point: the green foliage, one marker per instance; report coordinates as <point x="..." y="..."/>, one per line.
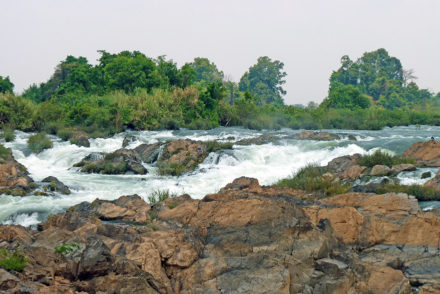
<point x="383" y="158"/>
<point x="173" y="169"/>
<point x="212" y="146"/>
<point x="17" y="112"/>
<point x="159" y="196"/>
<point x="420" y="192"/>
<point x="8" y="134"/>
<point x="265" y="80"/>
<point x="349" y="97"/>
<point x="4" y="152"/>
<point x="15" y="261"/>
<point x="6" y="86"/>
<point x="65" y="133"/>
<point x="66" y="248"/>
<point x="39" y="142"/>
<point x="310" y="179"/>
<point x="206" y="71"/>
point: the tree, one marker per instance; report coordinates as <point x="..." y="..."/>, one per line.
<point x="206" y="71"/>
<point x="265" y="80"/>
<point x="6" y="86"/>
<point x="345" y="96"/>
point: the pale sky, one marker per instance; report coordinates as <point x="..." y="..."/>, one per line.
<point x="309" y="36"/>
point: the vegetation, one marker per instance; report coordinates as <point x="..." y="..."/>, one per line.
<point x="159" y="196"/>
<point x="66" y="248"/>
<point x="130" y="90"/>
<point x="4" y="152"/>
<point x="212" y="146"/>
<point x="39" y="142"/>
<point x="420" y="192"/>
<point x="15" y="261"/>
<point x="383" y="158"/>
<point x="310" y="179"/>
<point x="8" y="134"/>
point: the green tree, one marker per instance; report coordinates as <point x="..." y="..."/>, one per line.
<point x="265" y="80"/>
<point x="6" y="86"/>
<point x="206" y="71"/>
<point x="345" y="96"/>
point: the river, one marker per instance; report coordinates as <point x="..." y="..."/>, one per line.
<point x="268" y="163"/>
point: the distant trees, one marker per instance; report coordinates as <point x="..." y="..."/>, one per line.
<point x="379" y="76"/>
<point x="265" y="80"/>
<point x="206" y="71"/>
<point x="6" y="86"/>
<point x="346" y="96"/>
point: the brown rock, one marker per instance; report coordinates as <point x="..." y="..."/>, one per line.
<point x="380" y="170"/>
<point x="429" y="289"/>
<point x="320" y="136"/>
<point x="425" y="153"/>
<point x="403" y="167"/>
<point x="14" y="177"/>
<point x="353" y="172"/>
<point x="384" y="280"/>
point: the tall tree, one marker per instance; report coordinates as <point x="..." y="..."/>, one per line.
<point x="6" y="85"/>
<point x="265" y="80"/>
<point x="206" y="71"/>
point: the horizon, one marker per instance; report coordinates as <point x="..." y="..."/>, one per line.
<point x="293" y="33"/>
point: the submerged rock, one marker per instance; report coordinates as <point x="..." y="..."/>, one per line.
<point x="246" y="238"/>
<point x="424" y="153"/>
<point x="56" y="185"/>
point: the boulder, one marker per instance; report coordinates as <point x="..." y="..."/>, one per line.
<point x="56" y="185"/>
<point x="424" y="153"/>
<point x="340" y="164"/>
<point x="353" y="172"/>
<point x="380" y="170"/>
<point x="403" y="167"/>
<point x="260" y="140"/>
<point x="320" y="136"/>
<point x="14" y="177"/>
<point x="80" y="138"/>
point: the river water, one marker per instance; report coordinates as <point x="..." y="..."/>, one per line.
<point x="268" y="163"/>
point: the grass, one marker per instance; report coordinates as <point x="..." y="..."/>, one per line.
<point x="420" y="192"/>
<point x="173" y="169"/>
<point x="39" y="142"/>
<point x="65" y="133"/>
<point x="382" y="158"/>
<point x="4" y="152"/>
<point x="8" y="134"/>
<point x="66" y="248"/>
<point x="159" y="196"/>
<point x="15" y="261"/>
<point x="310" y="179"/>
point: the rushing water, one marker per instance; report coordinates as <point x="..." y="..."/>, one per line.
<point x="268" y="163"/>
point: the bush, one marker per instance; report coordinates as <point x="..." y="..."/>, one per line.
<point x="8" y="134"/>
<point x="212" y="146"/>
<point x="66" y="248"/>
<point x="383" y="158"/>
<point x="65" y="133"/>
<point x="310" y="179"/>
<point x="4" y="152"/>
<point x="174" y="169"/>
<point x="39" y="142"/>
<point x="15" y="261"/>
<point x="159" y="196"/>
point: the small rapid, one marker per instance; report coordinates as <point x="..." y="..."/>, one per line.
<point x="268" y="163"/>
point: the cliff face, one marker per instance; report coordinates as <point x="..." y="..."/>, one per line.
<point x="244" y="239"/>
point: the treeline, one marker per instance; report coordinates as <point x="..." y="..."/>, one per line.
<point x="129" y="90"/>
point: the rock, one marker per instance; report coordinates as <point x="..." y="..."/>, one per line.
<point x="429" y="289"/>
<point x="434" y="182"/>
<point x="260" y="140"/>
<point x="181" y="156"/>
<point x="127" y="140"/>
<point x="380" y="170"/>
<point x="56" y="185"/>
<point x="149" y="153"/>
<point x="14" y="177"/>
<point x="340" y="164"/>
<point x="424" y="153"/>
<point x="426" y="175"/>
<point x="353" y="172"/>
<point x="384" y="280"/>
<point x="403" y="167"/>
<point x="80" y="138"/>
<point x="352" y="138"/>
<point x="320" y="136"/>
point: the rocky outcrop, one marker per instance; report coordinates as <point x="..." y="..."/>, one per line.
<point x="320" y="136"/>
<point x="55" y="185"/>
<point x="80" y="138"/>
<point x="424" y="153"/>
<point x="14" y="177"/>
<point x="434" y="182"/>
<point x="244" y="239"/>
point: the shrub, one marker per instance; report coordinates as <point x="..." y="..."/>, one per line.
<point x="39" y="142"/>
<point x="212" y="146"/>
<point x="383" y="158"/>
<point x="12" y="261"/>
<point x="174" y="169"/>
<point x="159" y="196"/>
<point x="8" y="134"/>
<point x="4" y="152"/>
<point x="310" y="179"/>
<point x="65" y="133"/>
<point x="66" y="248"/>
<point x="420" y="192"/>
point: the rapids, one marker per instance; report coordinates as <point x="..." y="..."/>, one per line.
<point x="268" y="163"/>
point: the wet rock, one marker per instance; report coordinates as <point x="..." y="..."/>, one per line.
<point x="260" y="140"/>
<point x="352" y="138"/>
<point x="425" y="153"/>
<point x="380" y="170"/>
<point x="149" y="153"/>
<point x="320" y="136"/>
<point x="426" y="175"/>
<point x="56" y="185"/>
<point x="127" y="140"/>
<point x="403" y="167"/>
<point x="340" y="164"/>
<point x="14" y="177"/>
<point x="80" y="138"/>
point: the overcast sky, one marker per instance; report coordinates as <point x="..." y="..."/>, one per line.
<point x="309" y="36"/>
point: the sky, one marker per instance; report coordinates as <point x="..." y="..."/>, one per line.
<point x="308" y="36"/>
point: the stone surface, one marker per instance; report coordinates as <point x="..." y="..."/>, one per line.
<point x="353" y="172"/>
<point x="425" y="153"/>
<point x="56" y="185"/>
<point x="320" y="136"/>
<point x="380" y="170"/>
<point x="403" y="167"/>
<point x="14" y="177"/>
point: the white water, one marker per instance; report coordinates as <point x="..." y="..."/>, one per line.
<point x="268" y="163"/>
